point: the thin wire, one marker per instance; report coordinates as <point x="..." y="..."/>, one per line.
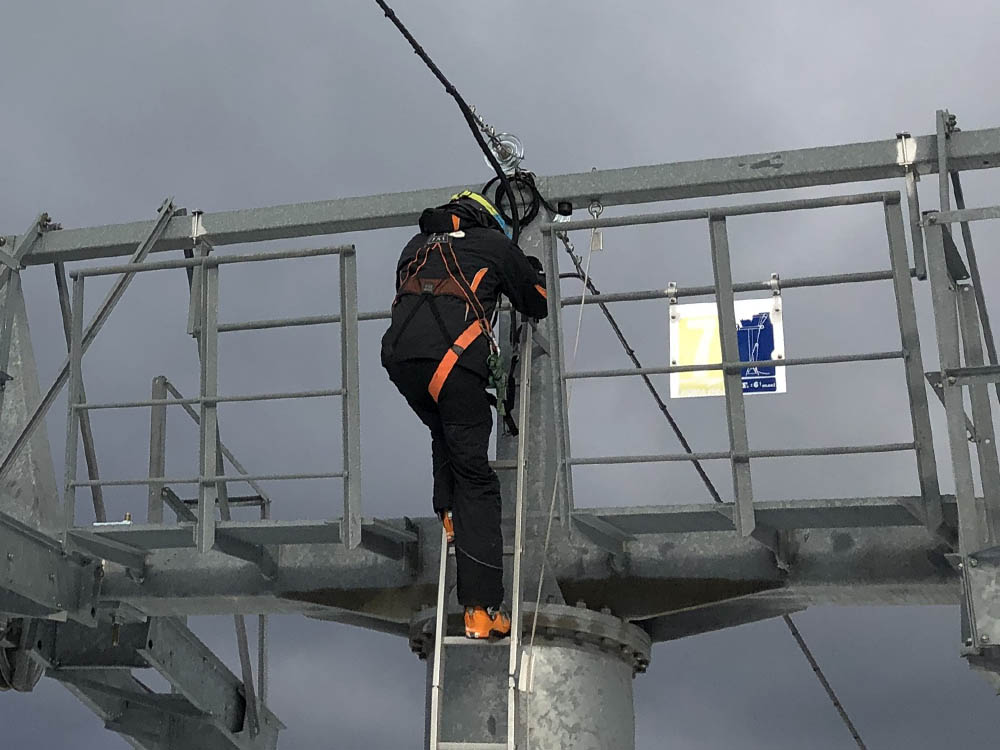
<point x="823" y="681"/>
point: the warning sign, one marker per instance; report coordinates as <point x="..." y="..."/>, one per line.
<point x="694" y="340"/>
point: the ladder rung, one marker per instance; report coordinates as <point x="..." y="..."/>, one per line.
<point x="471" y="745"/>
<point x="461" y="640"/>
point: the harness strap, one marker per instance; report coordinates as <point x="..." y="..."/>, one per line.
<point x="406" y="322"/>
<point x="437" y="317"/>
<point x="450" y="358"/>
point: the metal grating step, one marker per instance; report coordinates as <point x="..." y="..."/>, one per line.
<point x="471" y="745"/>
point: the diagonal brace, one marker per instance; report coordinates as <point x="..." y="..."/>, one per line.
<point x="166" y="211"/>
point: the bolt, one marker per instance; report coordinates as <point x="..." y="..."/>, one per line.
<point x="581" y="604"/>
<point x="10" y="555"/>
<point x="987" y="441"/>
<point x="3" y="241"/>
<point x="968" y="641"/>
<point x="973" y="562"/>
<point x="984" y="638"/>
<point x="961" y="566"/>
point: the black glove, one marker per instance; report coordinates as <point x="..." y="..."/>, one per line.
<point x="536" y="264"/>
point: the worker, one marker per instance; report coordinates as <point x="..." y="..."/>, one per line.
<point x="439" y="352"/>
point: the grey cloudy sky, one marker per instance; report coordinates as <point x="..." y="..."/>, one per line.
<point x="111" y="106"/>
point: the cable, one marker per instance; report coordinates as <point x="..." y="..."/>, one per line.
<point x="470" y="118"/>
<point x="524" y="182"/>
<point x="823" y="681"/>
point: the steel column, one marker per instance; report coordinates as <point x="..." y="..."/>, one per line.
<point x="916" y="230"/>
<point x="73" y="398"/>
<point x="943" y="294"/>
<point x="942" y="136"/>
<point x="557" y="354"/>
<point x="739" y="444"/>
<point x="913" y="367"/>
<point x="208" y="490"/>
<point x="157" y="450"/>
<point x="351" y="399"/>
<point x="977" y="282"/>
<point x="982" y="415"/>
<point x="86" y="432"/>
<point x="11" y="285"/>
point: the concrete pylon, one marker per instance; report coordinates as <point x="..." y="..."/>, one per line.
<point x="28" y="492"/>
<point x="577" y="679"/>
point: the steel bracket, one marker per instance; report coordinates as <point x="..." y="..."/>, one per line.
<point x="671" y="292"/>
<point x="40" y="578"/>
<point x="601" y="533"/>
<point x="981" y="579"/>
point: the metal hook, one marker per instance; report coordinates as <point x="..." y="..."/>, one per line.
<point x="595" y="209"/>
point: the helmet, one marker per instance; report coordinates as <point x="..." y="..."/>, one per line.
<point x="476" y="209"/>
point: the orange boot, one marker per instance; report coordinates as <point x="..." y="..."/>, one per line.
<point x="449" y="525"/>
<point x="481" y="622"/>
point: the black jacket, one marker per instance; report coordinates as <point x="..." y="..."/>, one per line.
<point x="415" y="333"/>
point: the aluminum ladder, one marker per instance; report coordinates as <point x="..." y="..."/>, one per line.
<point x="443" y="642"/>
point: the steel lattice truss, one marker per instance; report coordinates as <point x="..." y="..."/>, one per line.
<point x="88" y="603"/>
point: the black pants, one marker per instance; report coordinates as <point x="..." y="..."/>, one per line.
<point x="460" y="423"/>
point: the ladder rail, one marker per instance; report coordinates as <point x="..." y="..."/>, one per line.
<point x="440" y="616"/>
<point x="519" y="523"/>
<point x="440" y="620"/>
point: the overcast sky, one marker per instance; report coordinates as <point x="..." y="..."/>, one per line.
<point x="111" y="106"/>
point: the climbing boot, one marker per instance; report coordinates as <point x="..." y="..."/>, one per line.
<point x="481" y="622"/>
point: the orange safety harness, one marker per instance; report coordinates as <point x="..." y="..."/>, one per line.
<point x="455" y="285"/>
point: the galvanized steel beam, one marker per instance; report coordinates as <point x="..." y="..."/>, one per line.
<point x="828" y="165"/>
<point x="838" y="562"/>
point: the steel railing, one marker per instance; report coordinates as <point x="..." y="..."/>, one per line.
<point x="739" y="453"/>
<point x="211" y="480"/>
